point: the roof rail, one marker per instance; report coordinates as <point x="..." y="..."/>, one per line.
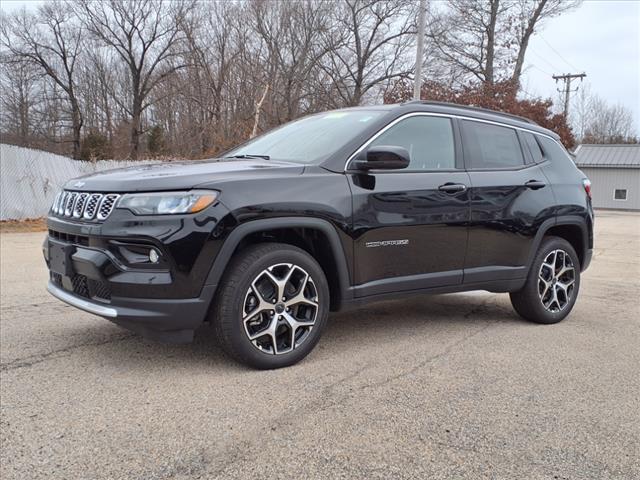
<point x="471" y="107"/>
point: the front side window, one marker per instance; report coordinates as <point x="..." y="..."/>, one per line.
<point x="491" y="146"/>
<point x="429" y="141"/>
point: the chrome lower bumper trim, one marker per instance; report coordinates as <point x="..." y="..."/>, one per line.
<point x="85" y="305"/>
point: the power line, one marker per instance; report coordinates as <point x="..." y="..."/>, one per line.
<point x="558" y="53"/>
<point x="546" y="61"/>
<point x="538" y="68"/>
<point x="526" y="94"/>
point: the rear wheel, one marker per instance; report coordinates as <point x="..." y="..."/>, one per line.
<point x="552" y="285"/>
<point x="272" y="306"/>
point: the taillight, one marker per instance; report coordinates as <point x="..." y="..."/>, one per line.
<point x="586" y="183"/>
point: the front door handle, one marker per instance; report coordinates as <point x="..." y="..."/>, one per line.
<point x="450" y="187"/>
<point x="535" y="184"/>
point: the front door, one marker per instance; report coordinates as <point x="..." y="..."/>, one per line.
<point x="410" y="225"/>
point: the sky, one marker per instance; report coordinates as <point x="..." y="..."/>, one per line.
<point x="600" y="38"/>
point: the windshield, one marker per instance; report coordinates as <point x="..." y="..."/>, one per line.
<point x="310" y="139"/>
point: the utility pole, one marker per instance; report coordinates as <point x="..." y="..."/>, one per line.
<point x="567" y="78"/>
<point x="417" y="82"/>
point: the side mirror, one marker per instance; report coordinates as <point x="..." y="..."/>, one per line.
<point x="384" y="157"/>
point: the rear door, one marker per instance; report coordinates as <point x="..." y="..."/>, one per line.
<point x="510" y="198"/>
<point x="410" y="225"/>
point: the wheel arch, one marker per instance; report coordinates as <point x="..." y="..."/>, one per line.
<point x="571" y="228"/>
<point x="316" y="236"/>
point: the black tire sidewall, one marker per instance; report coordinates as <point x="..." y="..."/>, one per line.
<point x="272" y="254"/>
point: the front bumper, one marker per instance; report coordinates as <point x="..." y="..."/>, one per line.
<point x="171" y="321"/>
<point x="104" y="269"/>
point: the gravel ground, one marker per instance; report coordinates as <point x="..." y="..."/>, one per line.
<point x="452" y="386"/>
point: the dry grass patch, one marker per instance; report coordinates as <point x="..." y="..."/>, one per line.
<point x="27" y="225"/>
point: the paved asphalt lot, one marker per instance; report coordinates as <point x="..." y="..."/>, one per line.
<point x="451" y="386"/>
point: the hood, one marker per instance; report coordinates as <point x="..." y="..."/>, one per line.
<point x="181" y="175"/>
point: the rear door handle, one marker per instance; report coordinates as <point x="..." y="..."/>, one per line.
<point x="535" y="184"/>
<point x="450" y="187"/>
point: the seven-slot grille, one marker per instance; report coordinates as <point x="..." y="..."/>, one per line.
<point x="84" y="205"/>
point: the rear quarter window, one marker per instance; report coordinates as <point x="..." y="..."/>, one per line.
<point x="552" y="151"/>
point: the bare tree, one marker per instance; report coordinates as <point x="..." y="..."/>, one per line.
<point x="18" y="95"/>
<point x="52" y="40"/>
<point x="194" y="77"/>
<point x="373" y="39"/>
<point x="148" y="37"/>
<point x="293" y="34"/>
<point x="465" y="37"/>
<point x="596" y="121"/>
<point x="214" y="37"/>
<point x="529" y="15"/>
<point x="580" y="113"/>
<point x="476" y="38"/>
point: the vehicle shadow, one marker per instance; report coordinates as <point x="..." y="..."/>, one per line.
<point x="372" y="325"/>
<point x="426" y="314"/>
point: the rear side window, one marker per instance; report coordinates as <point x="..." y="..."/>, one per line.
<point x="429" y="141"/>
<point x="491" y="146"/>
<point x="533" y="146"/>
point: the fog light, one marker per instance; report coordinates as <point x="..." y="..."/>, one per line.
<point x="154" y="256"/>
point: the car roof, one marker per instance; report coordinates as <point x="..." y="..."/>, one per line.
<point x="391" y="112"/>
<point x="460" y="110"/>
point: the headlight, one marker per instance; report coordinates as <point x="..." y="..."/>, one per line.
<point x="167" y="203"/>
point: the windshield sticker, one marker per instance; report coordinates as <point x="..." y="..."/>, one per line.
<point x="335" y="115"/>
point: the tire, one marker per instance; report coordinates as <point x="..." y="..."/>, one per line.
<point x="555" y="271"/>
<point x="258" y="329"/>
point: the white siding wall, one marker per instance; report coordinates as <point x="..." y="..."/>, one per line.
<point x="29" y="179"/>
<point x="605" y="180"/>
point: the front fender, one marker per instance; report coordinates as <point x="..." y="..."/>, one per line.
<point x="255" y="226"/>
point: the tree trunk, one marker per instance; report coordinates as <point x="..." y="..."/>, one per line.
<point x="491" y="43"/>
<point x="76" y="120"/>
<point x="134" y="141"/>
<point x="256" y="120"/>
<point x="24" y="119"/>
<point x="524" y="42"/>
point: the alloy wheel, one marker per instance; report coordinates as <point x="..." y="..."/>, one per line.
<point x="280" y="308"/>
<point x="556" y="281"/>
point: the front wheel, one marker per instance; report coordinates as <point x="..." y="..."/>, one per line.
<point x="552" y="285"/>
<point x="272" y="306"/>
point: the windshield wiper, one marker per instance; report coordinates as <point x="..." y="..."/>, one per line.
<point x="264" y="157"/>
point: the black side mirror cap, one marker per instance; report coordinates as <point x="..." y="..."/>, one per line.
<point x="384" y="157"/>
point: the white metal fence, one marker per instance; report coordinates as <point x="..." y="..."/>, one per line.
<point x="29" y="179"/>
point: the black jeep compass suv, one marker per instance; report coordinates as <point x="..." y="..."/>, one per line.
<point x="335" y="209"/>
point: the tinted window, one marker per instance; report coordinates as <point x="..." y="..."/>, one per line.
<point x="553" y="151"/>
<point x="429" y="141"/>
<point x="310" y="139"/>
<point x="533" y="146"/>
<point x="492" y="146"/>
